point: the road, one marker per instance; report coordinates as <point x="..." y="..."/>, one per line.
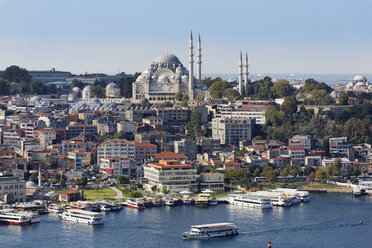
<point x="119" y="194"/>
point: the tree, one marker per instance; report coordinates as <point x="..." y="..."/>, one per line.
<point x="179" y="96"/>
<point x="167" y="105"/>
<point x="123" y="179"/>
<point x="193" y="126"/>
<point x="231" y="94"/>
<point x="16" y="74"/>
<point x="282" y="88"/>
<point x="343" y="100"/>
<point x="98" y="91"/>
<point x="154" y="188"/>
<point x="289" y="107"/>
<point x="217" y="88"/>
<point x="78" y="83"/>
<point x="269" y="174"/>
<point x="4" y="87"/>
<point x="36" y="88"/>
<point x="136" y="194"/>
<point x="199" y="168"/>
<point x="165" y="190"/>
<point x="34" y="177"/>
<point x="145" y="103"/>
<point x="257" y="172"/>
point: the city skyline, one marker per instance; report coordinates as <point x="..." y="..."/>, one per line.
<point x="112" y="37"/>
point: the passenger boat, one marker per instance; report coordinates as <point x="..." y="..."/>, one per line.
<point x="250" y="201"/>
<point x="55" y="208"/>
<point x="202" y="200"/>
<point x="303" y="195"/>
<point x="82" y="216"/>
<point x="276" y="198"/>
<point x="211" y="231"/>
<point x="133" y="203"/>
<point x="13" y="218"/>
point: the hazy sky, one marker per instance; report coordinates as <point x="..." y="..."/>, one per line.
<point x="313" y="36"/>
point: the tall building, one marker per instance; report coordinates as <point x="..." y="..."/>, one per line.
<point x="12" y="189"/>
<point x="186" y="147"/>
<point x="232" y="130"/>
<point x="115" y="148"/>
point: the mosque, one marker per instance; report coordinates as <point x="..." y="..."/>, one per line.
<point x="167" y="76"/>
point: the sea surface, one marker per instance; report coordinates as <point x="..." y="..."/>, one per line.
<point x="328" y="220"/>
<point x="320" y="77"/>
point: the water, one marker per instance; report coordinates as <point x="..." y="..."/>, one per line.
<point x="321" y="77"/>
<point x="328" y="220"/>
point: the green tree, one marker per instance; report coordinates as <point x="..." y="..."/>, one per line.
<point x="165" y="190"/>
<point x="289" y="106"/>
<point x="193" y="126"/>
<point x="16" y="74"/>
<point x="145" y="103"/>
<point x="136" y="194"/>
<point x="36" y="88"/>
<point x="282" y="88"/>
<point x="217" y="88"/>
<point x="123" y="179"/>
<point x="154" y="188"/>
<point x="98" y="91"/>
<point x="34" y="177"/>
<point x="179" y="96"/>
<point x="167" y="105"/>
<point x="231" y="94"/>
<point x="343" y="99"/>
<point x="4" y="87"/>
<point x="269" y="174"/>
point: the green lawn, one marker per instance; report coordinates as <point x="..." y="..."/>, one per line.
<point x="314" y="185"/>
<point x="101" y="194"/>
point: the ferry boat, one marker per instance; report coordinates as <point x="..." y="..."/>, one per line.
<point x="82" y="216"/>
<point x="55" y="208"/>
<point x="247" y="200"/>
<point x="132" y="203"/>
<point x="276" y="198"/>
<point x="303" y="195"/>
<point x="202" y="200"/>
<point x="211" y="231"/>
<point x="13" y="218"/>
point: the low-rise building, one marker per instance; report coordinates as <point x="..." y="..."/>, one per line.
<point x="304" y="141"/>
<point x="12" y="189"/>
<point x="144" y="150"/>
<point x="339" y="147"/>
<point x="212" y="181"/>
<point x="171" y="174"/>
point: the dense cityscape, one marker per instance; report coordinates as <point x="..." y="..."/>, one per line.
<point x="166" y="153"/>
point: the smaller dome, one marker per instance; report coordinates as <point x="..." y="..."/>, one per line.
<point x="31" y="185"/>
<point x="112" y="86"/>
<point x="179" y="70"/>
<point x="87" y="88"/>
<point x="163" y="78"/>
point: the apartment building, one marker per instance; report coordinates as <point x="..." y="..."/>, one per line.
<point x="232" y="130"/>
<point x="172" y="174"/>
<point x="301" y="140"/>
<point x="144" y="150"/>
<point x="12" y="189"/>
<point x="115" y="148"/>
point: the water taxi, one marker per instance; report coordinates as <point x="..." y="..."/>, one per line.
<point x="213" y="201"/>
<point x="13" y="218"/>
<point x="169" y="201"/>
<point x="247" y="200"/>
<point x="82" y="216"/>
<point x="211" y="231"/>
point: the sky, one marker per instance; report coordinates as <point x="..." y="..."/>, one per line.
<point x="286" y="36"/>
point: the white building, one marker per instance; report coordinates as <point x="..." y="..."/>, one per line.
<point x="243" y="112"/>
<point x="212" y="181"/>
<point x="301" y="140"/>
<point x="297" y="154"/>
<point x="232" y="130"/>
<point x="12" y="189"/>
<point x="115" y="148"/>
<point x="173" y="175"/>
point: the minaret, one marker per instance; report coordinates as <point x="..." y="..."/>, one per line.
<point x="191" y="69"/>
<point x="246" y="73"/>
<point x="199" y="61"/>
<point x="240" y="86"/>
<point x="39" y="179"/>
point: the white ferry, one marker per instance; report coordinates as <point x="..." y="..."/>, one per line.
<point x="303" y="195"/>
<point x="132" y="203"/>
<point x="211" y="231"/>
<point x="247" y="200"/>
<point x="10" y="217"/>
<point x="55" y="208"/>
<point x="276" y="198"/>
<point x="82" y="216"/>
<point x="169" y="201"/>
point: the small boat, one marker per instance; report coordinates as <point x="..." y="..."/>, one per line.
<point x="187" y="201"/>
<point x="82" y="216"/>
<point x="133" y="203"/>
<point x="211" y="231"/>
<point x="158" y="202"/>
<point x="213" y="201"/>
<point x="169" y="201"/>
<point x="149" y="203"/>
<point x="105" y="207"/>
<point x="55" y="208"/>
<point x="115" y="207"/>
<point x="357" y="191"/>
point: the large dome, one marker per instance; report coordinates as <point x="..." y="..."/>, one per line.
<point x="31" y="185"/>
<point x="360" y="78"/>
<point x="167" y="58"/>
<point x="112" y="86"/>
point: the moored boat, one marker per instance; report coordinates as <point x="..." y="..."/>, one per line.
<point x="202" y="200"/>
<point x="133" y="203"/>
<point x="247" y="200"/>
<point x="13" y="218"/>
<point x="55" y="208"/>
<point x="82" y="216"/>
<point x="211" y="231"/>
<point x="169" y="201"/>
